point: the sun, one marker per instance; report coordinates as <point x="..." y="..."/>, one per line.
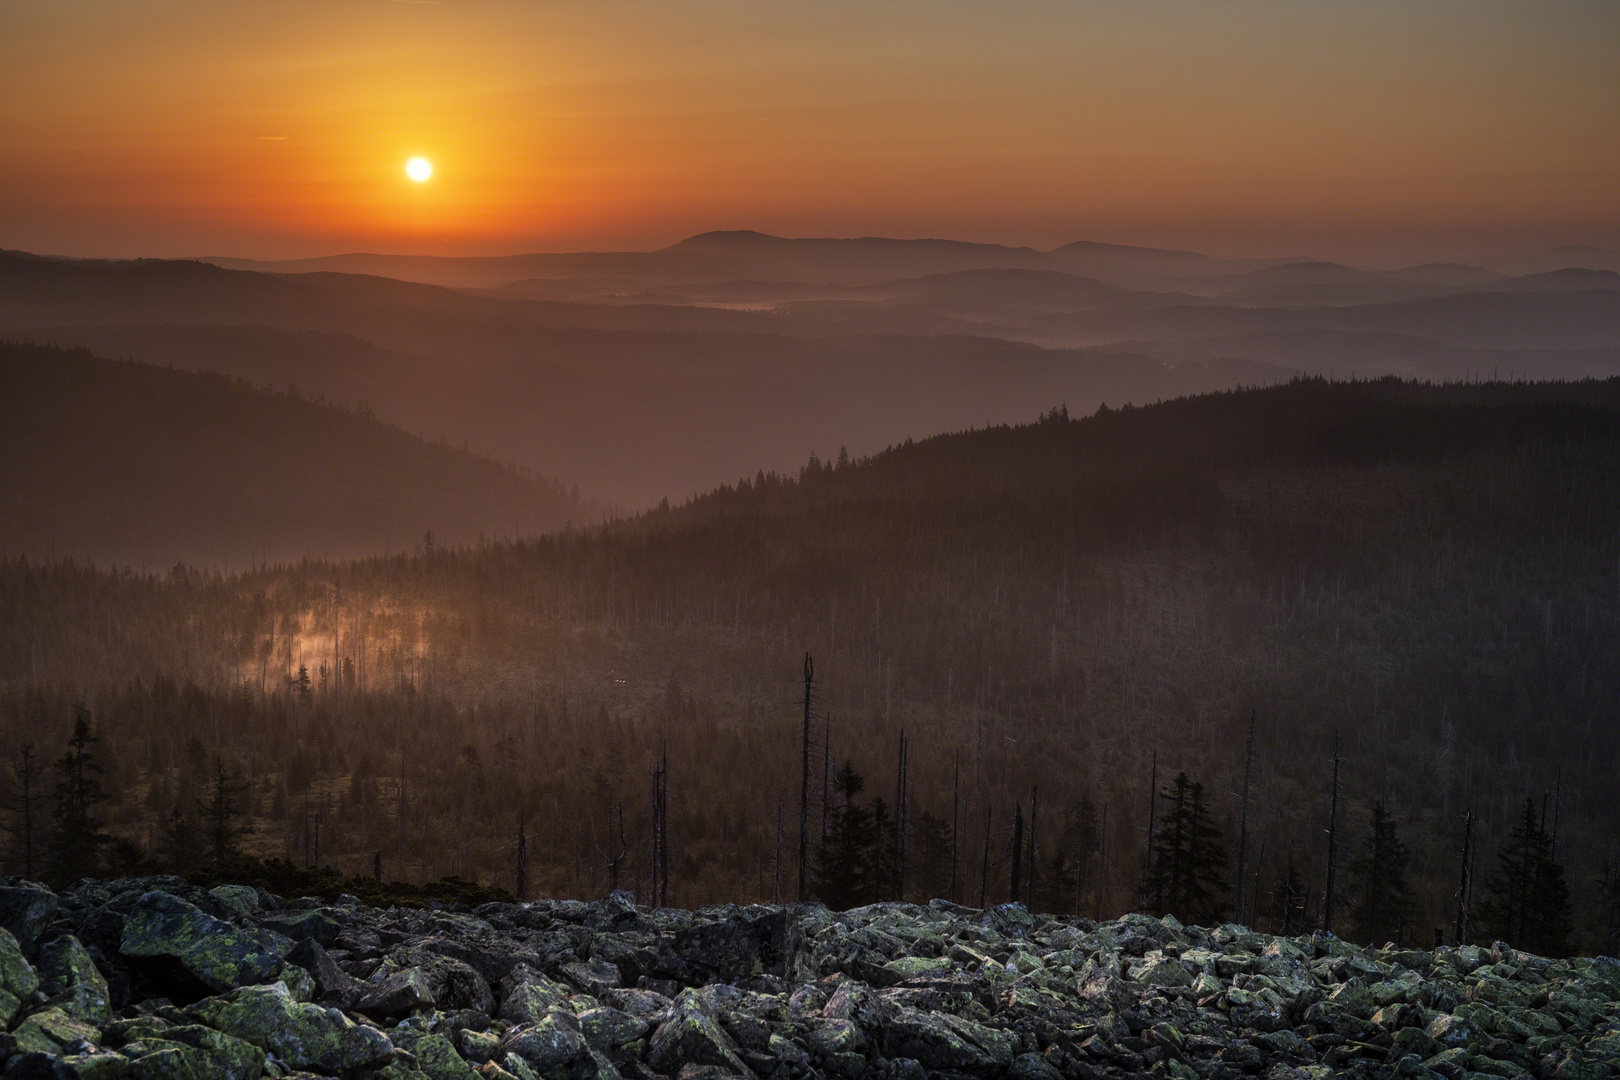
<point x="419" y="169"/>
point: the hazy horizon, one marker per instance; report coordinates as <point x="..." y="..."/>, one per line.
<point x="1377" y="134"/>
<point x="1388" y="261"/>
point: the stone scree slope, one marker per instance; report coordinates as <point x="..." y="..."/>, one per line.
<point x="155" y="979"/>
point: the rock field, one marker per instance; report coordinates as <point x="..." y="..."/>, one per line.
<point x="155" y="979"/>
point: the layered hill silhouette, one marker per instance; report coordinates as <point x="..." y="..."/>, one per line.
<point x="641" y="376"/>
<point x="138" y="464"/>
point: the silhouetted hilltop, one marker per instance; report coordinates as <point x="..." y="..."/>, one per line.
<point x="134" y="463"/>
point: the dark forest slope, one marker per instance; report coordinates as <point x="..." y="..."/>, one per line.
<point x="1425" y="573"/>
<point x="135" y="463"/>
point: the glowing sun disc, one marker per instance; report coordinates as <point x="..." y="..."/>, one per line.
<point x="419" y="169"/>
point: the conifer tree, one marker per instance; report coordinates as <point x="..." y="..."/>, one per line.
<point x="882" y="855"/>
<point x="26" y="802"/>
<point x="1188" y="873"/>
<point x="178" y="844"/>
<point x="1383" y="904"/>
<point x="844" y="860"/>
<point x="220" y="813"/>
<point x="78" y="836"/>
<point x="1527" y="901"/>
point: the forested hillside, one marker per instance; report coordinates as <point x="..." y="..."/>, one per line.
<point x="128" y="462"/>
<point x="1424" y="577"/>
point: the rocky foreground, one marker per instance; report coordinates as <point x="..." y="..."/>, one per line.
<point x="157" y="980"/>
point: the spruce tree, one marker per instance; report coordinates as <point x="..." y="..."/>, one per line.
<point x="78" y="836"/>
<point x="1383" y="897"/>
<point x="225" y="804"/>
<point x="1527" y="901"/>
<point x="26" y="803"/>
<point x="844" y="860"/>
<point x="1187" y="878"/>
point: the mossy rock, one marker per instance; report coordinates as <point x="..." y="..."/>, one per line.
<point x="193" y="1051"/>
<point x="239" y="900"/>
<point x="18" y="979"/>
<point x="96" y="1065"/>
<point x="436" y="1056"/>
<point x="71" y="981"/>
<point x="53" y="1031"/>
<point x="218" y="955"/>
<point x="690" y="1036"/>
<point x="302" y="1035"/>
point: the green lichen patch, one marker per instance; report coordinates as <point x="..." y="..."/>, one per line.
<point x="217" y="954"/>
<point x="71" y="981"/>
<point x="303" y="1035"/>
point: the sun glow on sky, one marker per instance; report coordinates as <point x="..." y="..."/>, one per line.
<point x="1239" y="127"/>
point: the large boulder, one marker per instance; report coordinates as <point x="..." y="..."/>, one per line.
<point x="942" y="1041"/>
<point x="18" y="979"/>
<point x="27" y="910"/>
<point x="553" y="1044"/>
<point x="436" y="1056"/>
<point x="303" y="1035"/>
<point x="332" y="984"/>
<point x="52" y="1031"/>
<point x="215" y="953"/>
<point x="690" y="1036"/>
<point x="404" y="993"/>
<point x="744" y="943"/>
<point x="527" y="995"/>
<point x="453" y="984"/>
<point x="71" y="981"/>
<point x="192" y="1052"/>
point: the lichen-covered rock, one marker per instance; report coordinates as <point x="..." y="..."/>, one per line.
<point x="27" y="910"/>
<point x="18" y="979"/>
<point x="554" y="1044"/>
<point x="70" y="980"/>
<point x="190" y="1051"/>
<point x="217" y="954"/>
<point x="52" y="1031"/>
<point x="453" y="983"/>
<point x="527" y="995"/>
<point x="304" y="1035"/>
<point x="594" y="977"/>
<point x="944" y="1041"/>
<point x="690" y="1036"/>
<point x="751" y="941"/>
<point x="606" y="1027"/>
<point x="95" y="1065"/>
<point x="897" y="991"/>
<point x="391" y="997"/>
<point x="237" y="899"/>
<point x="331" y="984"/>
<point x="436" y="1057"/>
<point x="320" y="924"/>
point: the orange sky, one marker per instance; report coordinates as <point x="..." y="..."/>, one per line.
<point x="1373" y="130"/>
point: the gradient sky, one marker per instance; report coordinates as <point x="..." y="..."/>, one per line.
<point x="1370" y="130"/>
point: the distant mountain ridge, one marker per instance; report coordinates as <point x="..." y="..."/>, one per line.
<point x="742" y="253"/>
<point x="660" y="374"/>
